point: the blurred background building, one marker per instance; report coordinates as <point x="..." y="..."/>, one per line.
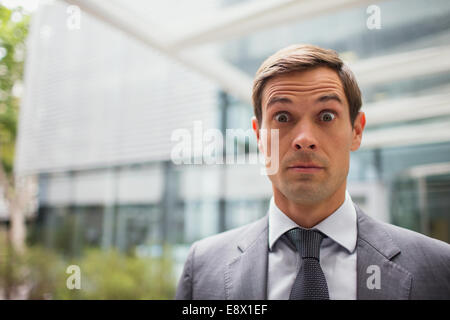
<point x="106" y="86"/>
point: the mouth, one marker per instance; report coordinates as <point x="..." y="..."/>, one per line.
<point x="305" y="168"/>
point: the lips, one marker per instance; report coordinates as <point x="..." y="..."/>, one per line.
<point x="305" y="167"/>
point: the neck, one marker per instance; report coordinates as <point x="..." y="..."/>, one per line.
<point x="309" y="215"/>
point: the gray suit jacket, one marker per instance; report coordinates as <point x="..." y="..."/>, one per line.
<point x="233" y="265"/>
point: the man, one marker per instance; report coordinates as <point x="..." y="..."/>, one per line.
<point x="314" y="243"/>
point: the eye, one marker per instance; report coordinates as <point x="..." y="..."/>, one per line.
<point x="282" y="117"/>
<point x="327" y="116"/>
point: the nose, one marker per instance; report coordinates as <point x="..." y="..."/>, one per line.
<point x="304" y="138"/>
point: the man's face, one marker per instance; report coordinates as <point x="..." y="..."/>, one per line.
<point x="311" y="112"/>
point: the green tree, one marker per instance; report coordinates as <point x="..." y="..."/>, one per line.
<point x="13" y="32"/>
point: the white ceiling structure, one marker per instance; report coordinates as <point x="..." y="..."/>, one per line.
<point x="246" y="18"/>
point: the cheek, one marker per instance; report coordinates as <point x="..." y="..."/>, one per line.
<point x="341" y="149"/>
<point x="285" y="145"/>
<point x="284" y="139"/>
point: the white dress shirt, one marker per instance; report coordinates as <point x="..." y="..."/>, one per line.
<point x="337" y="252"/>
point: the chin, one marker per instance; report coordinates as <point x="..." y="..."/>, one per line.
<point x="305" y="195"/>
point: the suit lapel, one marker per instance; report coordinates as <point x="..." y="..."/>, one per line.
<point x="378" y="277"/>
<point x="246" y="274"/>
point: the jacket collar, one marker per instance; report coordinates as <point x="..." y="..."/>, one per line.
<point x="340" y="226"/>
<point x="246" y="273"/>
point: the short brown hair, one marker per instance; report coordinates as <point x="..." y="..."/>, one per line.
<point x="300" y="58"/>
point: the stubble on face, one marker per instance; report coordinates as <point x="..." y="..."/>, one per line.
<point x="308" y="189"/>
<point x="332" y="153"/>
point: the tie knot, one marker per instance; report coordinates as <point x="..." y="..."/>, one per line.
<point x="306" y="241"/>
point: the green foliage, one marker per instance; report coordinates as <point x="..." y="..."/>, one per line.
<point x="105" y="274"/>
<point x="45" y="272"/>
<point x="13" y="33"/>
<point x="112" y="275"/>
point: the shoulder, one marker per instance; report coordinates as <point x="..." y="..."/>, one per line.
<point x="228" y="242"/>
<point x="413" y="246"/>
<point x="414" y="240"/>
<point x="424" y="259"/>
<point x="411" y="240"/>
<point x="205" y="266"/>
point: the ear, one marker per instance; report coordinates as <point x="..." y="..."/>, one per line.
<point x="255" y="126"/>
<point x="358" y="128"/>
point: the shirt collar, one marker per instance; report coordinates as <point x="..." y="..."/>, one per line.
<point x="340" y="226"/>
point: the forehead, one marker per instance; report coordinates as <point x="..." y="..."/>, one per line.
<point x="304" y="84"/>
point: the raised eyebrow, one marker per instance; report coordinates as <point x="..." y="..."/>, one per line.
<point x="274" y="100"/>
<point x="328" y="97"/>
